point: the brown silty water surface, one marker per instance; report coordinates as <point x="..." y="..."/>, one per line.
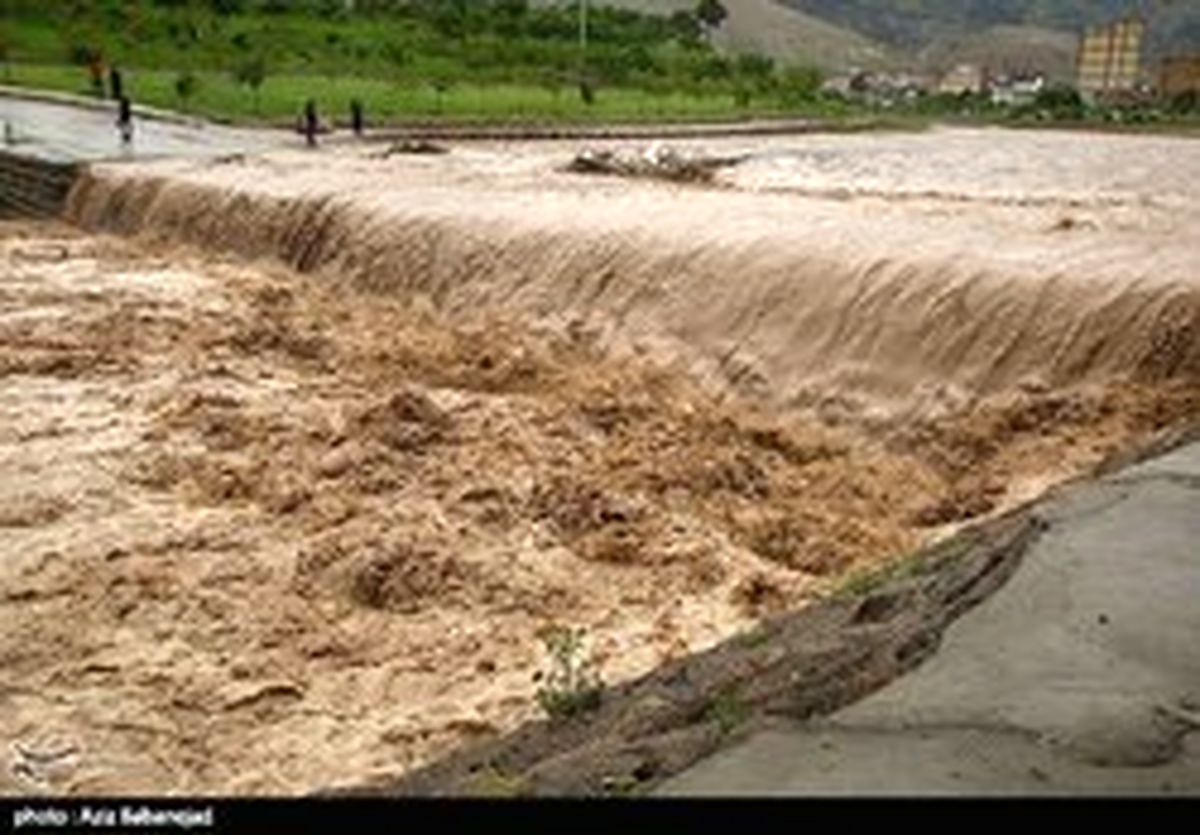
<point x="297" y="473"/>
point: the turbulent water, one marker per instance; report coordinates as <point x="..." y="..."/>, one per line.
<point x="871" y="275"/>
<point x="295" y="476"/>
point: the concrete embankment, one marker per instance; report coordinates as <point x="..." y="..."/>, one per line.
<point x="1081" y="676"/>
<point x="32" y="187"/>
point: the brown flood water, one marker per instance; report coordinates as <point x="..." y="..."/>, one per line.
<point x="294" y="477"/>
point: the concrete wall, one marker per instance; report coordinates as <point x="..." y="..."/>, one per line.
<point x="33" y="188"/>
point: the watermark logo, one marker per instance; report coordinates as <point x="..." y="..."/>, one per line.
<point x="41" y="763"/>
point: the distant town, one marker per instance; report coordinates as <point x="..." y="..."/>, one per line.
<point x="1109" y="70"/>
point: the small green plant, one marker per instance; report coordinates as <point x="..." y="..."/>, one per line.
<point x="755" y="638"/>
<point x="620" y="785"/>
<point x="861" y="582"/>
<point x="492" y="782"/>
<point x="572" y="686"/>
<point x="728" y="711"/>
<point x="867" y="580"/>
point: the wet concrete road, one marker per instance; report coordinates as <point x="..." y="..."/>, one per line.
<point x="1080" y="676"/>
<point x="66" y="133"/>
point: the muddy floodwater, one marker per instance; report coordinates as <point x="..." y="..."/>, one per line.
<point x="301" y="455"/>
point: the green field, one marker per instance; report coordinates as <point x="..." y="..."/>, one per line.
<point x="281" y="97"/>
<point x="482" y="60"/>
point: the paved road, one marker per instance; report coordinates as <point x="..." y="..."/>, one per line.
<point x="1081" y="676"/>
<point x="65" y="133"/>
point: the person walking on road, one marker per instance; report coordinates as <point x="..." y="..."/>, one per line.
<point x="125" y="120"/>
<point x="356" y="117"/>
<point x="116" y="84"/>
<point x="311" y="123"/>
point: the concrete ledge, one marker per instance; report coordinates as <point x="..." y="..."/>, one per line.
<point x="525" y="132"/>
<point x="73" y="100"/>
<point x="32" y="187"/>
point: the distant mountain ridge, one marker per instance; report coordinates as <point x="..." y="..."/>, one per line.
<point x="914" y="23"/>
<point x="771" y="28"/>
<point x="933" y="34"/>
<point x="1174" y="24"/>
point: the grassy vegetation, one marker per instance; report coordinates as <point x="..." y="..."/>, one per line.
<point x="728" y="711"/>
<point x="1062" y="106"/>
<point x="492" y="782"/>
<point x="904" y="567"/>
<point x="218" y="96"/>
<point x="404" y="59"/>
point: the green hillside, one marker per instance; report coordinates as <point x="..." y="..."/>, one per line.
<point x="490" y="59"/>
<point x="461" y="40"/>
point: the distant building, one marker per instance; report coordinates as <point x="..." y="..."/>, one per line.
<point x="965" y="78"/>
<point x="883" y="88"/>
<point x="1110" y="59"/>
<point x="839" y="84"/>
<point x="1179" y="75"/>
<point x="1017" y="89"/>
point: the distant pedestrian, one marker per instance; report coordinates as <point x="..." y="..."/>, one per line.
<point x="356" y="117"/>
<point x="116" y="84"/>
<point x="125" y="120"/>
<point x="311" y="123"/>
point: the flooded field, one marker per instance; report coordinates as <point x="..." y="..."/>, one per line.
<point x="302" y="455"/>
